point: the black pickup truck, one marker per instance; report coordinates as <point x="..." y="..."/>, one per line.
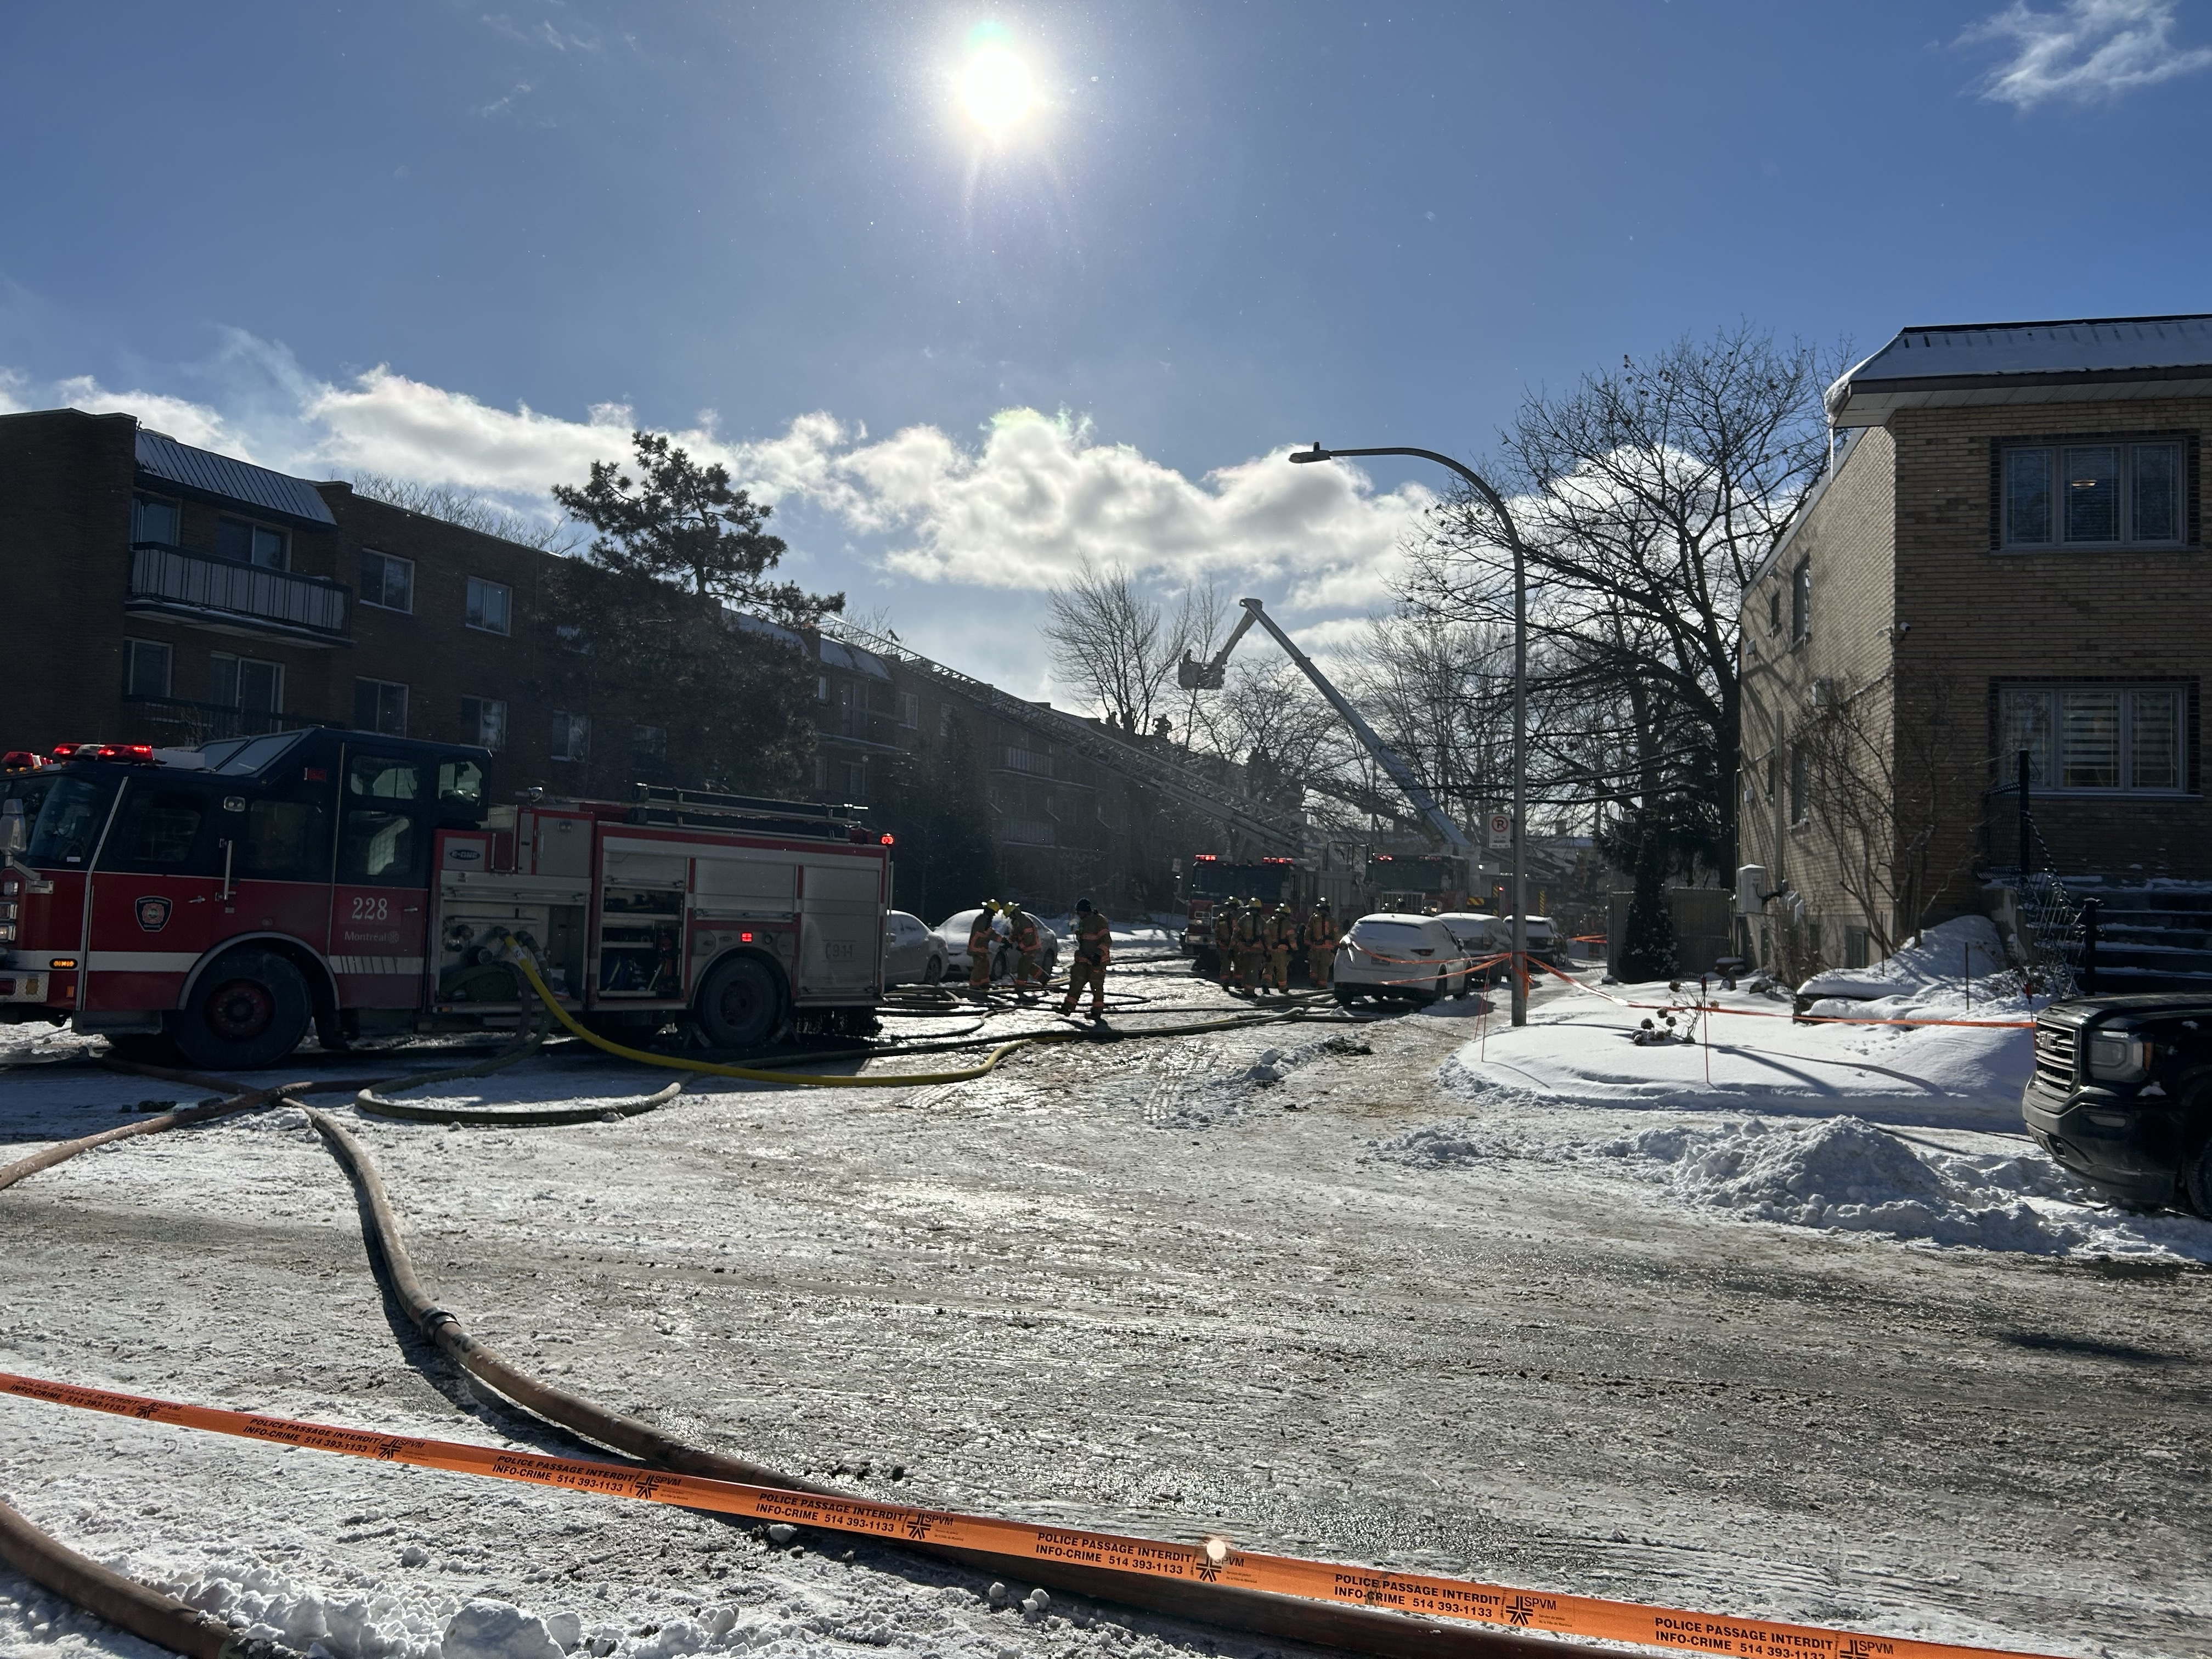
<point x="2121" y="1095"/>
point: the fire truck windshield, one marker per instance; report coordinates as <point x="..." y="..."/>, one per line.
<point x="69" y="820"/>
<point x="1212" y="879"/>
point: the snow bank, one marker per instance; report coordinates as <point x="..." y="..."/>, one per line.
<point x="1849" y="1175"/>
<point x="1940" y="966"/>
<point x="1747" y="1054"/>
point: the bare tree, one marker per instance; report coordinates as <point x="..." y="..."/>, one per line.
<point x="1881" y="798"/>
<point x="1646" y="498"/>
<point x="1117" y="646"/>
<point x="470" y="511"/>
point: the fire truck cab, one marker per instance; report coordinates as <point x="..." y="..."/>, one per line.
<point x="221" y="900"/>
<point x="1210" y="880"/>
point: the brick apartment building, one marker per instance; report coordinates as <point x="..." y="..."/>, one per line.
<point x="167" y="594"/>
<point x="2006" y="554"/>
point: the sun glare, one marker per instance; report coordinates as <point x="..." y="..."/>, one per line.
<point x="996" y="88"/>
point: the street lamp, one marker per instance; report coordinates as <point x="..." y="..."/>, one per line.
<point x="1519" y="975"/>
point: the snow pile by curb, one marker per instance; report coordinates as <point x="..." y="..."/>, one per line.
<point x="1940" y="964"/>
<point x="1847" y="1174"/>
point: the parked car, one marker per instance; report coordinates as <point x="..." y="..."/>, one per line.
<point x="1470" y="929"/>
<point x="1403" y="958"/>
<point x="912" y="954"/>
<point x="1543" y="938"/>
<point x="952" y="934"/>
<point x="2121" y="1095"/>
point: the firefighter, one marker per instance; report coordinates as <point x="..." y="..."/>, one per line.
<point x="1251" y="946"/>
<point x="1093" y="949"/>
<point x="1224" y="942"/>
<point x="1321" y="946"/>
<point x="1028" y="935"/>
<point x="982" y="942"/>
<point x="1282" y="933"/>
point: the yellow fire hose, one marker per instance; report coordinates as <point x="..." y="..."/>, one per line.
<point x="888" y="1080"/>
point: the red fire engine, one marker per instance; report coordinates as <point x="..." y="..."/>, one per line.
<point x="221" y="899"/>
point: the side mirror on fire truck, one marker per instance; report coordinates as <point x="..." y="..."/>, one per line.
<point x="13" y="835"/>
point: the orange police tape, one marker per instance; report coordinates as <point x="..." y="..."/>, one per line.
<point x="1799" y="1020"/>
<point x="1215" y="1561"/>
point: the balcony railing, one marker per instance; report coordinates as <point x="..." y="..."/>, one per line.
<point x="175" y="723"/>
<point x="171" y="578"/>
<point x="1028" y="761"/>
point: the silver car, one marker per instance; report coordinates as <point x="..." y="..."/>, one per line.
<point x="952" y="934"/>
<point x="912" y="954"/>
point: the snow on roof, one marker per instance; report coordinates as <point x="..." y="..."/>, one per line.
<point x="839" y="655"/>
<point x="2007" y="362"/>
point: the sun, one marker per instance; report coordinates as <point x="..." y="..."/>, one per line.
<point x="996" y="88"/>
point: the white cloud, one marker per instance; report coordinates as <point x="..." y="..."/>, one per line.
<point x="2089" y="50"/>
<point x="1022" y="510"/>
<point x="1041" y="497"/>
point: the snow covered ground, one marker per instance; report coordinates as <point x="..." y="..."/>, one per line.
<point x="1529" y="1306"/>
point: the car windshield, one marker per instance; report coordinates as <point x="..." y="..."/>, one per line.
<point x="1389" y="933"/>
<point x="69" y="822"/>
<point x="252" y="757"/>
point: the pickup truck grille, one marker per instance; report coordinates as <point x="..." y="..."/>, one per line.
<point x="2054" y="1054"/>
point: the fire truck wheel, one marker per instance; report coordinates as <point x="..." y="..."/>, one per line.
<point x="741" y="1005"/>
<point x="250" y="1008"/>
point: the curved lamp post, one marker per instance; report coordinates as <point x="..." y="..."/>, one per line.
<point x="1476" y="481"/>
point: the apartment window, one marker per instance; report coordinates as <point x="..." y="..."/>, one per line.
<point x="944" y="720"/>
<point x="1800" y="601"/>
<point x="648" y="740"/>
<point x="820" y="688"/>
<point x="483" y="720"/>
<point x="910" y="709"/>
<point x="2094" y="494"/>
<point x="145" y="669"/>
<point x="153" y="520"/>
<point x="572" y="639"/>
<point x="490" y="604"/>
<point x="379" y="706"/>
<point x="856" y="780"/>
<point x="1774" y="609"/>
<point x="572" y="736"/>
<point x="821" y="774"/>
<point x="2101" y="739"/>
<point x="386" y="582"/>
<point x="251" y="544"/>
<point x="1800" y="785"/>
<point x="256" y="687"/>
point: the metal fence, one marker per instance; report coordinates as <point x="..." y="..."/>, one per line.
<point x="171" y="573"/>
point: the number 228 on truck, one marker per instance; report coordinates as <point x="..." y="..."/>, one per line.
<point x="221" y="901"/>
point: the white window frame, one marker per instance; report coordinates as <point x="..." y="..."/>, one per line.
<point x="2054" y="456"/>
<point x="572" y="736"/>
<point x="480" y="589"/>
<point x="168" y="656"/>
<point x="2044" y="765"/>
<point x="382" y="686"/>
<point x="484" y="721"/>
<point x="384" y="560"/>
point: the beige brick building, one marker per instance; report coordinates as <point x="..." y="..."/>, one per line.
<point x="2006" y="557"/>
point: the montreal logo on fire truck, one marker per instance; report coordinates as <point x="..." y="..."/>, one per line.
<point x="153" y="914"/>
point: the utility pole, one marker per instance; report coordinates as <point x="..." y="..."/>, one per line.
<point x="1519" y="967"/>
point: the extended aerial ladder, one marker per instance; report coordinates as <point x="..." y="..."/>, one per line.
<point x="1193" y="675"/>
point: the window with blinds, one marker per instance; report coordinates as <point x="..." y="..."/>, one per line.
<point x="2106" y="739"/>
<point x="2094" y="494"/>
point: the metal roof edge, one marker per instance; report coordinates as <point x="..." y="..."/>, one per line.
<point x="2054" y="322"/>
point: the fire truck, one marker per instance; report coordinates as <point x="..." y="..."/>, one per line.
<point x="1415" y="884"/>
<point x="1209" y="879"/>
<point x="219" y="901"/>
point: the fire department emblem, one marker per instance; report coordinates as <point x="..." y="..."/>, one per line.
<point x="153" y="914"/>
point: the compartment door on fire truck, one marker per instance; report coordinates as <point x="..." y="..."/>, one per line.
<point x="841" y="925"/>
<point x="381" y="897"/>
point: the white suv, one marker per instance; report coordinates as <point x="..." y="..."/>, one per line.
<point x="1408" y="958"/>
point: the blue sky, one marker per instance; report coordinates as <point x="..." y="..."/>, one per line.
<point x="434" y="239"/>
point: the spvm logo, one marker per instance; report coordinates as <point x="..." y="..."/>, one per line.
<point x="153" y="914"/>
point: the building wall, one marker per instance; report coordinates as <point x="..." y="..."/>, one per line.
<point x="1979" y="618"/>
<point x="65" y="486"/>
<point x="1843" y="544"/>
